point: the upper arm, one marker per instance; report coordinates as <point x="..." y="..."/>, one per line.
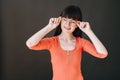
<point x="89" y="47"/>
<point x="43" y="44"/>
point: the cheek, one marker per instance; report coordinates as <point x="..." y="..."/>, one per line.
<point x="74" y="27"/>
<point x="61" y="24"/>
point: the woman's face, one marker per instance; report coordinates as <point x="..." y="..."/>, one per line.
<point x="68" y="25"/>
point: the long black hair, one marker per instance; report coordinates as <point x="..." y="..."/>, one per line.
<point x="73" y="12"/>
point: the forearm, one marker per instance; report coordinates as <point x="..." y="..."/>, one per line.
<point x="33" y="40"/>
<point x="97" y="43"/>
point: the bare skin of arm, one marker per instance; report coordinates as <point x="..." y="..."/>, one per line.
<point x="33" y="40"/>
<point x="85" y="27"/>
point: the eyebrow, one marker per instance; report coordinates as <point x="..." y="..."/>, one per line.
<point x="70" y="19"/>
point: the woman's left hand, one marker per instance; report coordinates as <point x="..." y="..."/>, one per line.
<point x="84" y="26"/>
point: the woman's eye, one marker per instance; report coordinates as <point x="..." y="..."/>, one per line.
<point x="64" y="19"/>
<point x="73" y="22"/>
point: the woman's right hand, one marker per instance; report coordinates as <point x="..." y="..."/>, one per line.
<point x="54" y="22"/>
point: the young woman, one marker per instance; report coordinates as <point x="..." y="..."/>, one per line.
<point x="67" y="45"/>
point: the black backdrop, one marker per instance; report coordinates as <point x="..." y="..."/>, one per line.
<point x="19" y="19"/>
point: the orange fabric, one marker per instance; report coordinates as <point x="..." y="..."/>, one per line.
<point x="67" y="67"/>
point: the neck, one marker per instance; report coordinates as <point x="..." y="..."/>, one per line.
<point x="66" y="36"/>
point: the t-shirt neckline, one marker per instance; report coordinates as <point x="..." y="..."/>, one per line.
<point x="59" y="45"/>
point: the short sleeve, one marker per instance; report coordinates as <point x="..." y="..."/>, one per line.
<point x="44" y="44"/>
<point x="89" y="48"/>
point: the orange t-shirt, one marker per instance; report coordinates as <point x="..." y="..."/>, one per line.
<point x="67" y="67"/>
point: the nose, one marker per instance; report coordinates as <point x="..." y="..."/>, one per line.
<point x="67" y="23"/>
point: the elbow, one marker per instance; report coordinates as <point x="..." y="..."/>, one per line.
<point x="103" y="55"/>
<point x="28" y="44"/>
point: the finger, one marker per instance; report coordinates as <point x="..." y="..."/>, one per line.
<point x="59" y="19"/>
<point x="52" y="20"/>
<point x="83" y="25"/>
<point x="78" y="23"/>
<point x="55" y="20"/>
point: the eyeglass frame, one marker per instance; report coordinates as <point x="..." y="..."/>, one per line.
<point x="71" y="22"/>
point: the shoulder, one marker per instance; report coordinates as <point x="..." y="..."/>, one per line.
<point x="50" y="39"/>
<point x="82" y="41"/>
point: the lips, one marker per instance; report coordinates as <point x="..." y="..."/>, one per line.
<point x="67" y="28"/>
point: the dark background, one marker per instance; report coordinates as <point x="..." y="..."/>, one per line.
<point x="19" y="19"/>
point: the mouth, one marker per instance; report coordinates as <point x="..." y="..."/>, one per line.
<point x="67" y="28"/>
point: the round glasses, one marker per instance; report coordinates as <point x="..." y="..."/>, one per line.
<point x="69" y="21"/>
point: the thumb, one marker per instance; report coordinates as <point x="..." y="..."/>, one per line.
<point x="59" y="19"/>
<point x="78" y="23"/>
